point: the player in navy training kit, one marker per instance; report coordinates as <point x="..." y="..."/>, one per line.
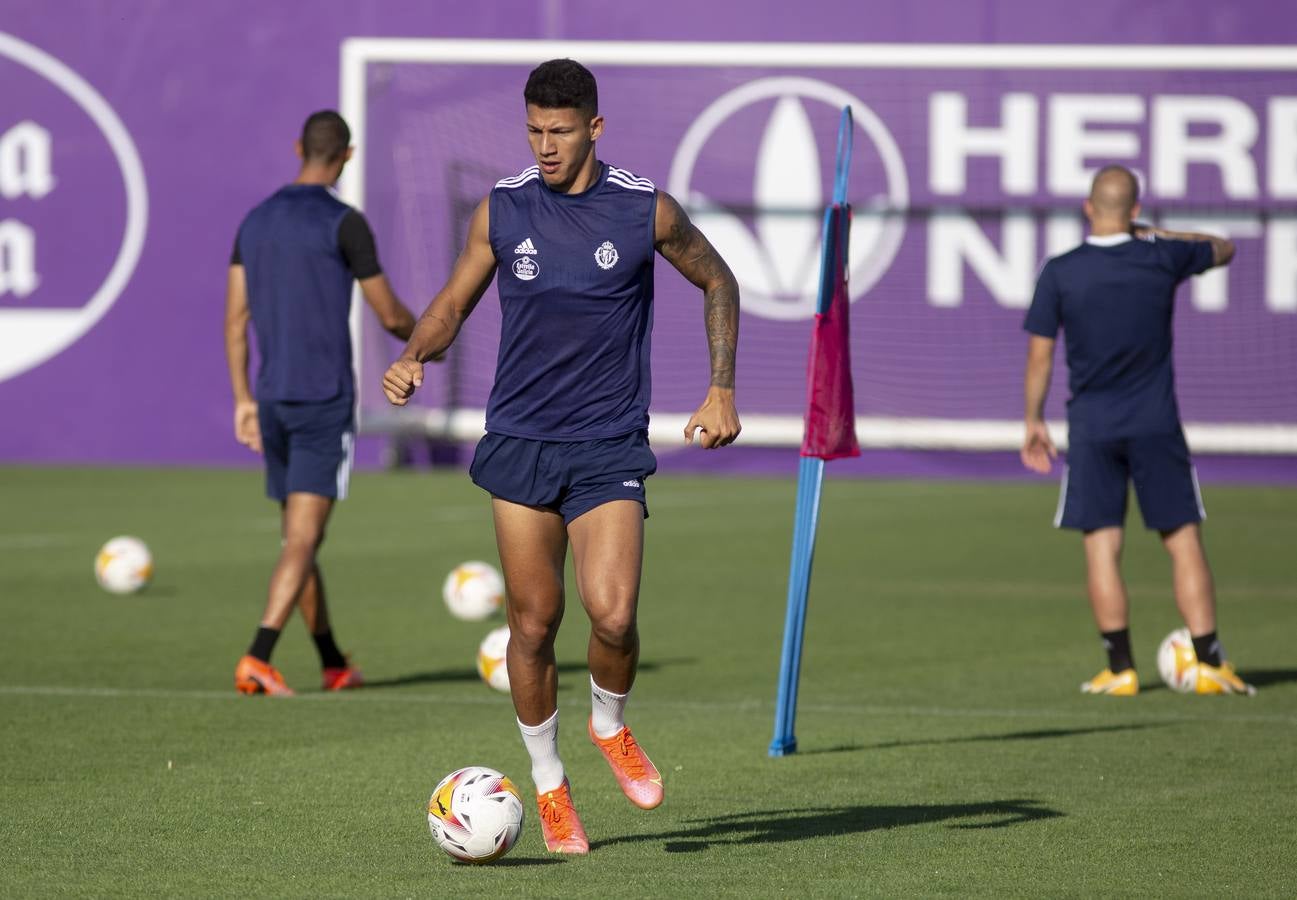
<point x="291" y="273"/>
<point x="566" y="452"/>
<point x="1113" y="297"/>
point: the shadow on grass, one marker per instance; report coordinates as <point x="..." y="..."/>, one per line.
<point x="512" y="861"/>
<point x="1263" y="677"/>
<point x="445" y="676"/>
<point x="1039" y="734"/>
<point x="775" y="827"/>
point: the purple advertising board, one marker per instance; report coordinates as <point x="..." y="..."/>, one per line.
<point x="132" y="143"/>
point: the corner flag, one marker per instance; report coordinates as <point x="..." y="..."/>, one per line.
<point x="830" y="400"/>
<point x="830" y="431"/>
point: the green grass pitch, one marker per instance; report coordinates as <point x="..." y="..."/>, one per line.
<point x="944" y="748"/>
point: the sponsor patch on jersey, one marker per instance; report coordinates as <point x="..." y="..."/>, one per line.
<point x="525" y="268"/>
<point x="606" y="255"/>
<point x="526" y="247"/>
<point x="634" y="483"/>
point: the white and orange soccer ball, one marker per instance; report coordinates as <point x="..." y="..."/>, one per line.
<point x="1177" y="663"/>
<point x="475" y="814"/>
<point x="473" y="591"/>
<point x="490" y="658"/>
<point x="124" y="565"/>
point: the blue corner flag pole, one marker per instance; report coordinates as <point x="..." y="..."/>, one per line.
<point x="810" y="479"/>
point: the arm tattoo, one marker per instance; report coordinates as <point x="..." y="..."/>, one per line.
<point x="692" y="254"/>
<point x="720" y="308"/>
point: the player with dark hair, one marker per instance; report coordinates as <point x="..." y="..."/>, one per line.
<point x="562" y="84"/>
<point x="325" y="138"/>
<point x="566" y="452"/>
<point x="291" y="274"/>
<point x="1113" y="297"/>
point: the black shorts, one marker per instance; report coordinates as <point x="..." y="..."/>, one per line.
<point x="308" y="447"/>
<point x="569" y="477"/>
<point x="1095" y="483"/>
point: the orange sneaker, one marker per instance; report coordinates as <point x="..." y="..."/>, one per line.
<point x="340" y="679"/>
<point x="639" y="779"/>
<point x="252" y="676"/>
<point x="559" y="822"/>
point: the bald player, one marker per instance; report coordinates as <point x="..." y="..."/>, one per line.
<point x="1113" y="297"/>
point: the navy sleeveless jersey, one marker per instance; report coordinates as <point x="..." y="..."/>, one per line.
<point x="1114" y="297"/>
<point x="575" y="281"/>
<point x="299" y="294"/>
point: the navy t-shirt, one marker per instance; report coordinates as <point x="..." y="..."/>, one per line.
<point x="300" y="249"/>
<point x="1114" y="302"/>
<point x="575" y="280"/>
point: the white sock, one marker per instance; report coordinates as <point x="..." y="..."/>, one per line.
<point x="607" y="711"/>
<point x="541" y="742"/>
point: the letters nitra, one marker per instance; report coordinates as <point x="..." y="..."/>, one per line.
<point x="1081" y="132"/>
<point x="25" y="171"/>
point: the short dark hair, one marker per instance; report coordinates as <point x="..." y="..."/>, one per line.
<point x="562" y="84"/>
<point x="325" y="137"/>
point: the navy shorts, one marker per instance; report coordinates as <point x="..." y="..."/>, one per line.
<point x="308" y="447"/>
<point x="1094" y="488"/>
<point x="569" y="477"/>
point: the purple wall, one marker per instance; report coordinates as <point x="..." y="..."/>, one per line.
<point x="211" y="98"/>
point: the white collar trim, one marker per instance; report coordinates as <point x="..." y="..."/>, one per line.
<point x="1108" y="240"/>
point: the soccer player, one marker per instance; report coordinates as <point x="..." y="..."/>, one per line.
<point x="1113" y="297"/>
<point x="566" y="452"/>
<point x="291" y="273"/>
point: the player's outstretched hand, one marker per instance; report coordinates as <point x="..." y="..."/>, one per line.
<point x="1038" y="451"/>
<point x="717" y="419"/>
<point x="401" y="380"/>
<point x="247" y="428"/>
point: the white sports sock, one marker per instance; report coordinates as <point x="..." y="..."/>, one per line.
<point x="541" y="742"/>
<point x="607" y="711"/>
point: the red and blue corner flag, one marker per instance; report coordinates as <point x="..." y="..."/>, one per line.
<point x="830" y="400"/>
<point x="830" y="431"/>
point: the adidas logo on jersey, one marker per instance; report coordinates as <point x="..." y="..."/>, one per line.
<point x="526" y="247"/>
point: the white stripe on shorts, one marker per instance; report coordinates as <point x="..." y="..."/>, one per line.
<point x="1197" y="492"/>
<point x="344" y="465"/>
<point x="1062" y="499"/>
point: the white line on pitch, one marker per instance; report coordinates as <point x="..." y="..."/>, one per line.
<point x="749" y="706"/>
<point x="32" y="541"/>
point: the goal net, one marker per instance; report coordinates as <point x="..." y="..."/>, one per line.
<point x="970" y="166"/>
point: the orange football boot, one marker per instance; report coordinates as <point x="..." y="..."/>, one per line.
<point x="340" y="679"/>
<point x="252" y="676"/>
<point x="638" y="778"/>
<point x="559" y="822"/>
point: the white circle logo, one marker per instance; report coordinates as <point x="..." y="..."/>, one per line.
<point x="770" y="231"/>
<point x="606" y="256"/>
<point x="28" y="337"/>
<point x="525" y="268"/>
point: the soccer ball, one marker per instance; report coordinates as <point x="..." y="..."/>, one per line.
<point x="124" y="565"/>
<point x="475" y="814"/>
<point x="473" y="591"/>
<point x="490" y="658"/>
<point x="1177" y="663"/>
